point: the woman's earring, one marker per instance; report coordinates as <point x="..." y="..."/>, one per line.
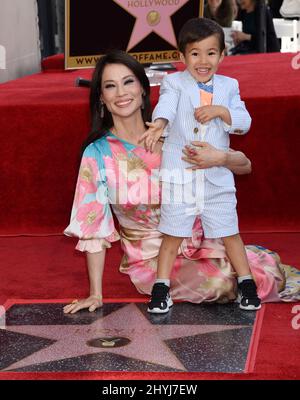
<point x="101" y="110"/>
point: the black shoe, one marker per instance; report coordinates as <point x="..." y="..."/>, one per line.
<point x="249" y="299"/>
<point x="160" y="299"/>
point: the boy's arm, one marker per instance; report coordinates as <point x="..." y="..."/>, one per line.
<point x="164" y="113"/>
<point x="235" y="117"/>
<point x="153" y="133"/>
<point x="166" y="107"/>
<point x="205" y="114"/>
<point x="240" y="118"/>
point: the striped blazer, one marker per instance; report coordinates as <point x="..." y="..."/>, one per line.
<point x="179" y="96"/>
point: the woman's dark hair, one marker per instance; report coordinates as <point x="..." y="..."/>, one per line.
<point x="100" y="125"/>
<point x="197" y="29"/>
<point x="224" y="14"/>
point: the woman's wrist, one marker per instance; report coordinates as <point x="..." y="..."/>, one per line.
<point x="223" y="158"/>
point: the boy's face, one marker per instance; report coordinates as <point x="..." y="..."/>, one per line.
<point x="202" y="58"/>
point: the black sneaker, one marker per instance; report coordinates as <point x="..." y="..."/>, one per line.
<point x="160" y="299"/>
<point x="249" y="299"/>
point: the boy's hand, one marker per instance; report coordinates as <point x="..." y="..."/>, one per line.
<point x="205" y="114"/>
<point x="153" y="133"/>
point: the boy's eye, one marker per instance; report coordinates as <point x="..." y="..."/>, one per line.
<point x="211" y="53"/>
<point x="194" y="54"/>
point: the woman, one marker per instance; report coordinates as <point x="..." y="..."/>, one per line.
<point x="248" y="41"/>
<point x="221" y="11"/>
<point x="117" y="174"/>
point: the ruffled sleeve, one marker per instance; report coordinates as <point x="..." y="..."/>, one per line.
<point x="92" y="245"/>
<point x="91" y="217"/>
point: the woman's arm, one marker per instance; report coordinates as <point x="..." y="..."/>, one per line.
<point x="204" y="155"/>
<point x="239" y="37"/>
<point x="95" y="263"/>
<point x="237" y="162"/>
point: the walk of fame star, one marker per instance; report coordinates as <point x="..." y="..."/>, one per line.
<point x="125" y="333"/>
<point x="151" y="16"/>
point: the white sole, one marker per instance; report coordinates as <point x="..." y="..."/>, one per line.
<point x="250" y="308"/>
<point x="159" y="311"/>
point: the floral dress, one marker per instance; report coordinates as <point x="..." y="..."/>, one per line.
<point x="117" y="197"/>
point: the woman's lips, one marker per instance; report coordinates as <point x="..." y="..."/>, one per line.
<point x="123" y="103"/>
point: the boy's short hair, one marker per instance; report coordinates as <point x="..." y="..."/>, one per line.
<point x="197" y="29"/>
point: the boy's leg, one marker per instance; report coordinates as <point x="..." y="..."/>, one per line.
<point x="175" y="224"/>
<point x="220" y="220"/>
<point x="236" y="253"/>
<point x="160" y="299"/>
<point x="167" y="254"/>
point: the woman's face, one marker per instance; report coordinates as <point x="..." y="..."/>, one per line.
<point x="214" y="3"/>
<point x="121" y="91"/>
<point x="246" y="4"/>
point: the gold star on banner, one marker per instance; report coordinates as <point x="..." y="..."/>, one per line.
<point x="151" y="16"/>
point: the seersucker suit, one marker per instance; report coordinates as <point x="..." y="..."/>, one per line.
<point x="215" y="197"/>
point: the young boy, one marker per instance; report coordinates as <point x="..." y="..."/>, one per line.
<point x="198" y="104"/>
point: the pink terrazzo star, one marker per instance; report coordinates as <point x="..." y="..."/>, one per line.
<point x="163" y="25"/>
<point x="147" y="341"/>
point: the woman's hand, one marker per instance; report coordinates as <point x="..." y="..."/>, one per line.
<point x="95" y="263"/>
<point x="92" y="303"/>
<point x="239" y="37"/>
<point x="203" y="155"/>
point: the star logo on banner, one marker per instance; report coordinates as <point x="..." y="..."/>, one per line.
<point x="126" y="332"/>
<point x="151" y="16"/>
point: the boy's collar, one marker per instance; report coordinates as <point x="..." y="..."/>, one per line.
<point x="209" y="83"/>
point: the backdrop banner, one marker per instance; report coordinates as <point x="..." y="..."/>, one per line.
<point x="147" y="29"/>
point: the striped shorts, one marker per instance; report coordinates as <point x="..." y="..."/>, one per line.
<point x="216" y="206"/>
